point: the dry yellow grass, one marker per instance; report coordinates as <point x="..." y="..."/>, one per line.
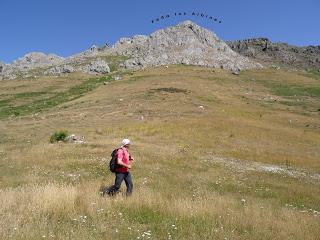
<point x="66" y="212"/>
<point x="52" y="190"/>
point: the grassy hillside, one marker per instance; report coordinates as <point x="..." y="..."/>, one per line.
<point x="51" y="191"/>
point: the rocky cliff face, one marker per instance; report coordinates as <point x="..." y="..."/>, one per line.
<point x="269" y="53"/>
<point x="29" y="62"/>
<point x="2" y="66"/>
<point x="35" y="60"/>
<point x="186" y="43"/>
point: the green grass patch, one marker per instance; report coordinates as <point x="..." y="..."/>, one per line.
<point x="170" y="90"/>
<point x="313" y="74"/>
<point x="27" y="95"/>
<point x="4" y="103"/>
<point x="289" y="90"/>
<point x="47" y="103"/>
<point x="209" y="99"/>
<point x="145" y="215"/>
<point x="23" y="95"/>
<point x="114" y="61"/>
<point x="295" y="91"/>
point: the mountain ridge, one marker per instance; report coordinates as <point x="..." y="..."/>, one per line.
<point x="185" y="43"/>
<point x="270" y="53"/>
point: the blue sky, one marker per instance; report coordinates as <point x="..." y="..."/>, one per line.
<point x="66" y="27"/>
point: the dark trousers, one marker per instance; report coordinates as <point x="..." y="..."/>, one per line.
<point x="117" y="183"/>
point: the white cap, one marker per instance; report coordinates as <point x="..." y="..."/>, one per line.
<point x="125" y="142"/>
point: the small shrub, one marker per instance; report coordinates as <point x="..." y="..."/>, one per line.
<point x="58" y="136"/>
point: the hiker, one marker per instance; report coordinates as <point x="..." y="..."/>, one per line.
<point x="123" y="165"/>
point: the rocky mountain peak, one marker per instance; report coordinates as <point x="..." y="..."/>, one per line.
<point x="36" y="59"/>
<point x="186" y="43"/>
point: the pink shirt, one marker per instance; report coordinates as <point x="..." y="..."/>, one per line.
<point x="123" y="153"/>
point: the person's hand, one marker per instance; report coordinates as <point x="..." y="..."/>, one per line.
<point x="129" y="166"/>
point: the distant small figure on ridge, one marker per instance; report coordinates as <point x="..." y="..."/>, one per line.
<point x="120" y="164"/>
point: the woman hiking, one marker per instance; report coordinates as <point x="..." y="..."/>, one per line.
<point x="122" y="171"/>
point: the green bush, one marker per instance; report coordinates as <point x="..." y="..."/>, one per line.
<point x="58" y="136"/>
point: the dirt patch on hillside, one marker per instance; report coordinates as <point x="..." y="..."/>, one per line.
<point x="244" y="166"/>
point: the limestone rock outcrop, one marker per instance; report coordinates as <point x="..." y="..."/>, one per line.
<point x="185" y="43"/>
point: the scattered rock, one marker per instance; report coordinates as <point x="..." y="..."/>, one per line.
<point x="58" y="70"/>
<point x="201" y="107"/>
<point x="97" y="66"/>
<point x="275" y="67"/>
<point x="75" y="139"/>
<point x="94" y="48"/>
<point x="116" y="78"/>
<point x="242" y="166"/>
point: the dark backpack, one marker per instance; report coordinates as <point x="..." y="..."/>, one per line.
<point x="113" y="162"/>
